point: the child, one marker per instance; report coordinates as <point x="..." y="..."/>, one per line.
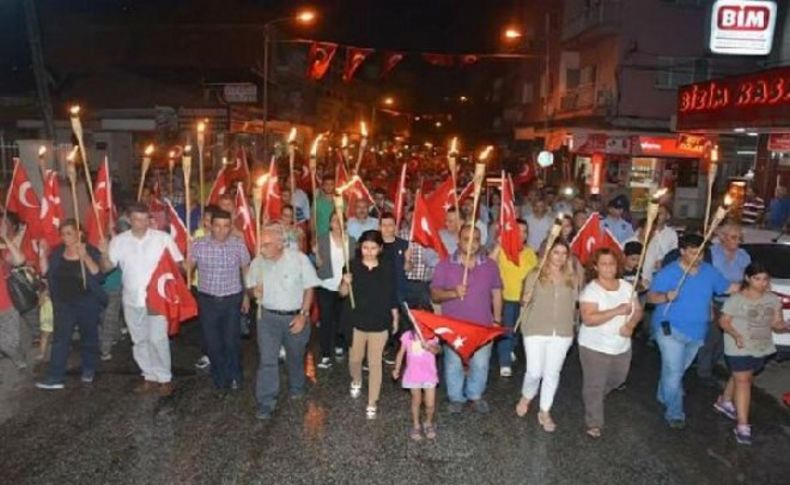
<point x="46" y="322"/>
<point x="421" y="377"/>
<point x="747" y="319"/>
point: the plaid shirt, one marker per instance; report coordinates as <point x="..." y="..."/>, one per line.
<point x="423" y="260"/>
<point x="220" y="265"/>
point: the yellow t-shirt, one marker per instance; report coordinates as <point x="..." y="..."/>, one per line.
<point x="513" y="276"/>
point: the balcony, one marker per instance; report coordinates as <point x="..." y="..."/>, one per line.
<point x="603" y="19"/>
<point x="585" y="100"/>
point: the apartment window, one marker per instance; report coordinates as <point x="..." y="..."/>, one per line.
<point x="677" y="71"/>
<point x="587" y="75"/>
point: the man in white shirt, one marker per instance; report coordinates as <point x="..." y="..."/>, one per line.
<point x="137" y="252"/>
<point x="539" y="222"/>
<point x="361" y="221"/>
<point x="663" y="240"/>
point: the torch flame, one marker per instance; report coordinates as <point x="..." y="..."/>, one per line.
<point x="344" y="141"/>
<point x="261" y="180"/>
<point x="363" y="129"/>
<point x="292" y="135"/>
<point x="714" y="154"/>
<point x="187" y="148"/>
<point x="659" y="194"/>
<point x="454" y="146"/>
<point x="201" y="127"/>
<point x="75" y="110"/>
<point x="316" y="142"/>
<point x="486" y="153"/>
<point x="149" y="150"/>
<point x="728" y="200"/>
<point x="171" y="154"/>
<point x="42" y="150"/>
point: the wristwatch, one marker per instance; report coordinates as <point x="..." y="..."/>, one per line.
<point x="304" y="313"/>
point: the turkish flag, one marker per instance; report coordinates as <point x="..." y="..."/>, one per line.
<point x="526" y="175"/>
<point x="591" y="237"/>
<point x="245" y="221"/>
<point x="509" y="235"/>
<point x="441" y="200"/>
<point x="441" y="60"/>
<point x="318" y="59"/>
<point x="355" y="190"/>
<point x="341" y="176"/>
<point x="51" y="209"/>
<point x="178" y="231"/>
<point x="220" y="186"/>
<point x="303" y="180"/>
<point x="355" y="56"/>
<point x="464" y="337"/>
<point x="400" y="195"/>
<point x="272" y="200"/>
<point x="240" y="169"/>
<point x="105" y="209"/>
<point x="22" y="200"/>
<point x="391" y="59"/>
<point x="167" y="294"/>
<point x="424" y="228"/>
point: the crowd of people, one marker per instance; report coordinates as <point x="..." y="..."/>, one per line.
<point x="361" y="273"/>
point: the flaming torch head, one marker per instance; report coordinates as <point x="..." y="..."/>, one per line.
<point x="74" y="111"/>
<point x="292" y="136"/>
<point x="149" y="150"/>
<point x="344" y="141"/>
<point x="42" y="150"/>
<point x="363" y="129"/>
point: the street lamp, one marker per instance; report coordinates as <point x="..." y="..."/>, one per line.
<point x="303" y="17"/>
<point x="512" y="34"/>
<point x="387" y="101"/>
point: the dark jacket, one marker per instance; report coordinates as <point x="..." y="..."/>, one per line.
<point x="325" y="271"/>
<point x="94" y="282"/>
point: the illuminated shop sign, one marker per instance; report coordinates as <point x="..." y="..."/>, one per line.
<point x="742" y="27"/>
<point x="753" y="100"/>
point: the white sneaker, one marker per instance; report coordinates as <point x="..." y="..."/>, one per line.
<point x="326" y="363"/>
<point x="505" y="372"/>
<point x="356" y="390"/>
<point x="339" y="352"/>
<point x="203" y="362"/>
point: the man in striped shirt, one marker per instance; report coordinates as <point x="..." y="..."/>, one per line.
<point x="753" y="208"/>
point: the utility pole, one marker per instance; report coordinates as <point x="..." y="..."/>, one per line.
<point x="39" y="70"/>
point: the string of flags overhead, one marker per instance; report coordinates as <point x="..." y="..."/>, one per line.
<point x="321" y="54"/>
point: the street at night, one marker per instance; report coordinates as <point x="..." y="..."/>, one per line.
<point x="395" y="242"/>
<point x="103" y="434"/>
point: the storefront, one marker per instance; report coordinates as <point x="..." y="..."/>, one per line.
<point x="635" y="165"/>
<point x="756" y="104"/>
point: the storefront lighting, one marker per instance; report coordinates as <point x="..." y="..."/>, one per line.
<point x="739" y="130"/>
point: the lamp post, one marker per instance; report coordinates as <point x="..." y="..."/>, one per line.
<point x="304" y="17"/>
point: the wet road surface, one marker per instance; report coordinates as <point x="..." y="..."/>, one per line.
<point x="103" y="433"/>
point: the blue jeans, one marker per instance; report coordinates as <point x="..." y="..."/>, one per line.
<point x="274" y="331"/>
<point x="505" y="344"/>
<point x="85" y="313"/>
<point x="475" y="379"/>
<point x="219" y="321"/>
<point x="677" y="354"/>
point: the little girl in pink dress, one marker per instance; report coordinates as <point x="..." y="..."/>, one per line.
<point x="421" y="377"/>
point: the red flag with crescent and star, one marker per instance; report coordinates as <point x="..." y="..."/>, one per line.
<point x="272" y="199"/>
<point x="526" y="175"/>
<point x="167" y="294"/>
<point x="318" y="59"/>
<point x="424" y="229"/>
<point x="105" y="209"/>
<point x="462" y="336"/>
<point x="22" y="200"/>
<point x="220" y="186"/>
<point x="355" y="56"/>
<point x="391" y="59"/>
<point x="178" y="231"/>
<point x="441" y="200"/>
<point x="245" y="221"/>
<point x="591" y="237"/>
<point x="509" y="235"/>
<point x="51" y="209"/>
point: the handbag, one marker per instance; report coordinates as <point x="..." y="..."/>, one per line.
<point x="23" y="285"/>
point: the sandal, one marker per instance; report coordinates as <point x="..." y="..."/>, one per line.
<point x="548" y="424"/>
<point x="415" y="435"/>
<point x="594" y="432"/>
<point x="522" y="407"/>
<point x="356" y="390"/>
<point x="430" y="431"/>
<point x="370" y="412"/>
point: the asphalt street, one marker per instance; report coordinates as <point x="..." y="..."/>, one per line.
<point x="103" y="433"/>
